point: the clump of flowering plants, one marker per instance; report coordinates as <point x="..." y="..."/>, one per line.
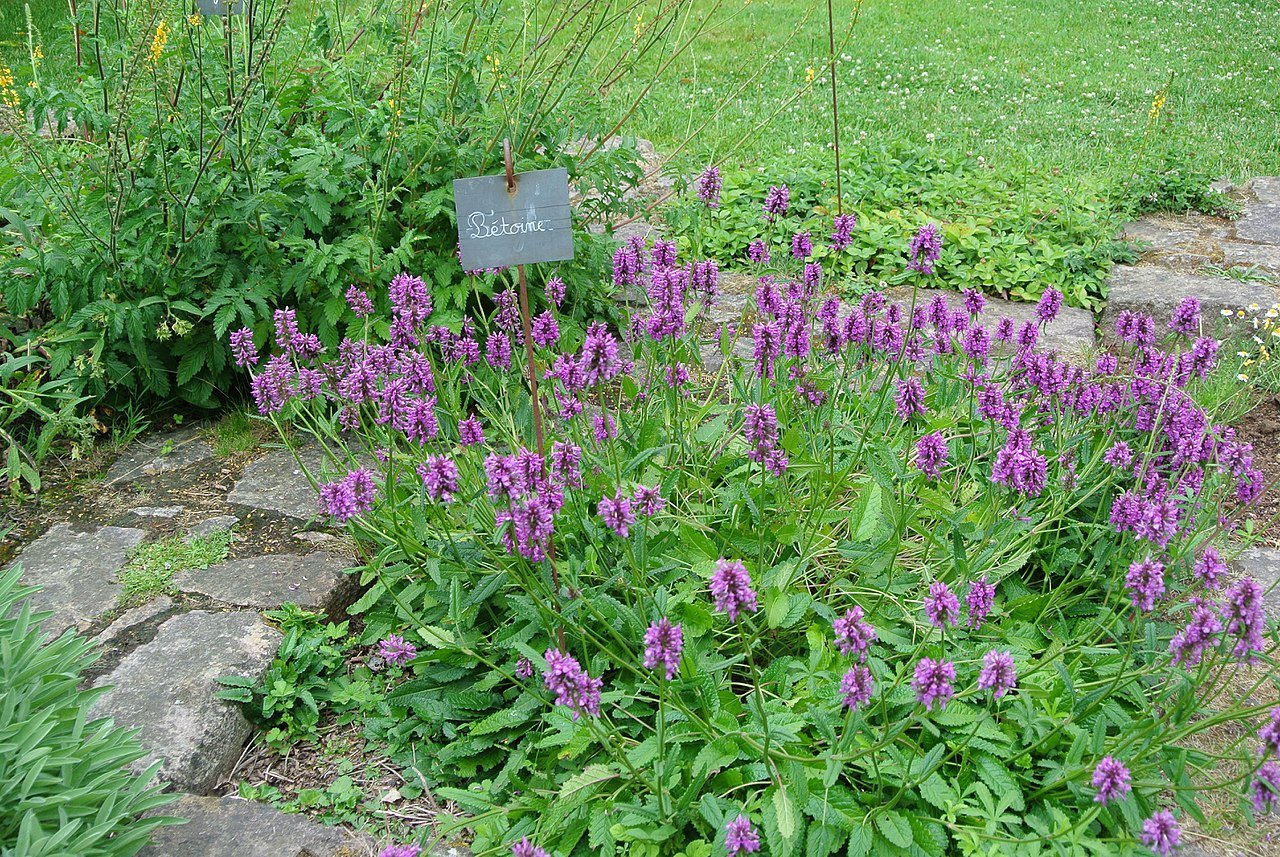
<point x="902" y="582"/>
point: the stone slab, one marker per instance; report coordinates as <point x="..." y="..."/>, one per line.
<point x="158" y="511"/>
<point x="277" y="483"/>
<point x="159" y="453"/>
<point x="77" y="572"/>
<point x="1260" y="223"/>
<point x="1263" y="565"/>
<point x="1157" y="291"/>
<point x="1070" y="333"/>
<point x="1266" y="189"/>
<point x="213" y="525"/>
<point x="134" y="618"/>
<point x="234" y="827"/>
<point x="314" y="581"/>
<point x="166" y="689"/>
<point x="1265" y="257"/>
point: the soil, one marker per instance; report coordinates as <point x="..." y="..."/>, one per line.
<point x="1261" y="427"/>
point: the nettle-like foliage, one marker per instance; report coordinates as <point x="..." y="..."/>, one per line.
<point x="900" y="583"/>
<point x="206" y="171"/>
<point x="67" y="787"/>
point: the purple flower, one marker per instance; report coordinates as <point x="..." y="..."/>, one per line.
<point x="1269" y="734"/>
<point x="545" y="330"/>
<point x="974" y="302"/>
<point x="856" y="686"/>
<point x="758" y="252"/>
<point x="647" y="500"/>
<point x="599" y="359"/>
<point x="663" y="643"/>
<point x="350" y="496"/>
<point x="979" y="600"/>
<point x="768" y="347"/>
<point x="760" y="429"/>
<point x="933" y="682"/>
<point x="997" y="673"/>
<point x="854" y="635"/>
<point x="1266" y="787"/>
<point x="616" y="513"/>
<point x="1210" y="569"/>
<point x="1110" y="779"/>
<point x="842" y="231"/>
<point x="925" y="248"/>
<point x="931" y="454"/>
<point x="603" y="428"/>
<point x="1019" y="465"/>
<point x="524" y="668"/>
<point x="359" y="301"/>
<point x="572" y="686"/>
<point x="1119" y="455"/>
<point x="941" y="605"/>
<point x="439" y="477"/>
<point x="1145" y="582"/>
<point x="242" y="347"/>
<point x="1186" y="318"/>
<point x="731" y="589"/>
<point x="413" y="849"/>
<point x="709" y="187"/>
<point x="555" y="291"/>
<point x="1049" y="306"/>
<point x="776" y="201"/>
<point x="469" y="431"/>
<point x="1199" y="636"/>
<point x="272" y="387"/>
<point x="525" y="848"/>
<point x="396" y="650"/>
<point x="1160" y="832"/>
<point x="1242" y="611"/>
<point x="740" y="837"/>
<point x="801" y="245"/>
<point x="410" y="300"/>
<point x="909" y="398"/>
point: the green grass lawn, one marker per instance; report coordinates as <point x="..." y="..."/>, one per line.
<point x="1024" y="84"/>
<point x="49" y="20"/>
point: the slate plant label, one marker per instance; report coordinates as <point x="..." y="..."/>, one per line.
<point x="220" y="7"/>
<point x="497" y="228"/>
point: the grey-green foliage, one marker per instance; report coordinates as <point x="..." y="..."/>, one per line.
<point x="65" y="790"/>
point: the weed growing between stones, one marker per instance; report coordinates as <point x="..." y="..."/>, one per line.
<point x="151" y="566"/>
<point x="901" y="583"/>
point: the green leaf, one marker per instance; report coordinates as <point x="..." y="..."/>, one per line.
<point x="895" y="828"/>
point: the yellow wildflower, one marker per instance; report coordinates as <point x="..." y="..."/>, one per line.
<point x="809" y="74"/>
<point x="1157" y="105"/>
<point x="195" y="20"/>
<point x="158" y="42"/>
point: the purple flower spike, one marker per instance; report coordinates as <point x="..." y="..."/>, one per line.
<point x="709" y="187"/>
<point x="857" y="686"/>
<point x="1049" y="306"/>
<point x="663" y="643"/>
<point x="242" y="347"/>
<point x="925" y="248"/>
<point x="396" y="650"/>
<point x="353" y="495"/>
<point x="931" y="454"/>
<point x="525" y="848"/>
<point x="997" y="673"/>
<point x="1145" y="582"/>
<point x="854" y="635"/>
<point x="573" y="688"/>
<point x="1266" y="788"/>
<point x="616" y="513"/>
<point x="1160" y="833"/>
<point x="740" y="837"/>
<point x="933" y="682"/>
<point x="1111" y="779"/>
<point x="941" y="605"/>
<point x="731" y="589"/>
<point x="981" y="597"/>
<point x="776" y="201"/>
<point x="413" y="849"/>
